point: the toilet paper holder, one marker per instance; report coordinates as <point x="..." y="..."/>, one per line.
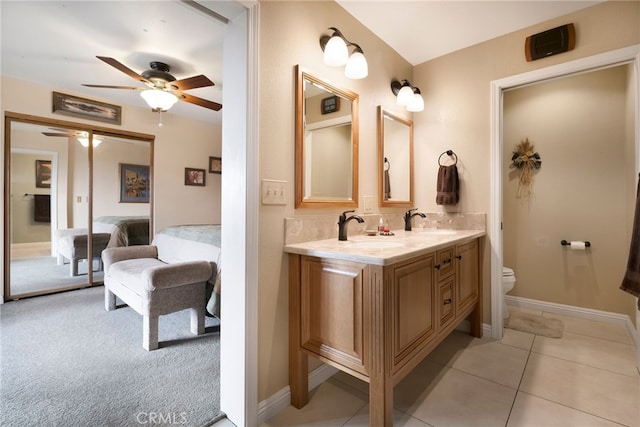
<point x="565" y="243"/>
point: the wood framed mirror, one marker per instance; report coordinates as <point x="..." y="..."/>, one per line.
<point x="73" y="170"/>
<point x="395" y="159"/>
<point x="326" y="138"/>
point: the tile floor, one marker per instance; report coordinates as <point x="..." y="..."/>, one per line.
<point x="586" y="378"/>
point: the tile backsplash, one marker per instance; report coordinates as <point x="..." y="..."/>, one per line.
<point x="306" y="228"/>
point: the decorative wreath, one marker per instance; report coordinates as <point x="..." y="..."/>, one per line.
<point x="526" y="160"/>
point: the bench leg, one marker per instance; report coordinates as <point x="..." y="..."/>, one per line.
<point x="73" y="267"/>
<point x="197" y="321"/>
<point x="109" y="300"/>
<point x="150" y="332"/>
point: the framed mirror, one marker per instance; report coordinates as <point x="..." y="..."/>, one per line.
<point x="326" y="138"/>
<point x="62" y="185"/>
<point x="395" y="159"/>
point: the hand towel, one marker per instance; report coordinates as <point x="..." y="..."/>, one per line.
<point x="448" y="185"/>
<point x="42" y="208"/>
<point x="387" y="185"/>
<point x="631" y="281"/>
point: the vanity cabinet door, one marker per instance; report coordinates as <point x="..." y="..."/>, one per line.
<point x="331" y="310"/>
<point x="412" y="307"/>
<point x="467" y="271"/>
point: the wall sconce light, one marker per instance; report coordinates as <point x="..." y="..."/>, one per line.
<point x="336" y="54"/>
<point x="407" y="95"/>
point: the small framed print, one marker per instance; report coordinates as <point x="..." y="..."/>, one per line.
<point x="135" y="183"/>
<point x="330" y="104"/>
<point x="194" y="177"/>
<point x="43" y="173"/>
<point x="215" y="165"/>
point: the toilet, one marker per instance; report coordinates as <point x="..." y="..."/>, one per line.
<point x="508" y="281"/>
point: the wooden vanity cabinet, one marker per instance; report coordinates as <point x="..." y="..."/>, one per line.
<point x="376" y="322"/>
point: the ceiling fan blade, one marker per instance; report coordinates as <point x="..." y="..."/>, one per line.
<point x="191" y="82"/>
<point x="113" y="87"/>
<point x="199" y="101"/>
<point x="56" y="134"/>
<point x="119" y="66"/>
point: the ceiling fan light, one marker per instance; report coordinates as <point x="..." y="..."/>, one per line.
<point x="85" y="142"/>
<point x="336" y="53"/>
<point x="357" y="67"/>
<point x="159" y="99"/>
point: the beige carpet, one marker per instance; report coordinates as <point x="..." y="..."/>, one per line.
<point x="535" y="324"/>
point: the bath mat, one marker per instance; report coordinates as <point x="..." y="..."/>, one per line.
<point x="535" y="324"/>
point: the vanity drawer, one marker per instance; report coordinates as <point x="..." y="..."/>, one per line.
<point x="444" y="263"/>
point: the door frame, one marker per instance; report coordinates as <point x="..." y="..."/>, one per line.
<point x="627" y="55"/>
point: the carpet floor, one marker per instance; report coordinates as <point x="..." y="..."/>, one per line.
<point x="66" y="361"/>
<point x="43" y="273"/>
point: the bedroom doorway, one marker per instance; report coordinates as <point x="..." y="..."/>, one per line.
<point x="58" y="183"/>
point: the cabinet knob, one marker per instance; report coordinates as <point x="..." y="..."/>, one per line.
<point x="437" y="266"/>
<point x="447" y="261"/>
<point x="459" y="256"/>
<point x="447" y="301"/>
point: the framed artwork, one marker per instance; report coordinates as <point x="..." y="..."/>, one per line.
<point x="215" y="165"/>
<point x="75" y="106"/>
<point x="135" y="183"/>
<point x="330" y="104"/>
<point x="194" y="177"/>
<point x="43" y="173"/>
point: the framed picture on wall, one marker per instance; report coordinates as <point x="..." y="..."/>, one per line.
<point x="135" y="184"/>
<point x="215" y="165"/>
<point x="43" y="173"/>
<point x="84" y="108"/>
<point x="194" y="177"/>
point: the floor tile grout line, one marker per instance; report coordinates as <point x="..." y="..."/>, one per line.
<point x="524" y="369"/>
<point x="586" y="365"/>
<point x="572" y="408"/>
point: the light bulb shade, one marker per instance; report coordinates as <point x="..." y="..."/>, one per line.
<point x="336" y="53"/>
<point x="159" y="99"/>
<point x="416" y="104"/>
<point x="357" y="67"/>
<point x="85" y="142"/>
<point x="405" y="95"/>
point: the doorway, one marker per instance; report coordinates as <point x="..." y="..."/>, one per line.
<point x="626" y="55"/>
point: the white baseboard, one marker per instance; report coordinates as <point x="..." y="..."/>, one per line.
<point x="282" y="399"/>
<point x="584" y="313"/>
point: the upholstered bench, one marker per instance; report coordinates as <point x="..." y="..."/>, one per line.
<point x="73" y="244"/>
<point x="153" y="287"/>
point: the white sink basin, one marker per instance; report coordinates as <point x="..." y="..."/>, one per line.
<point x="440" y="232"/>
<point x="377" y="244"/>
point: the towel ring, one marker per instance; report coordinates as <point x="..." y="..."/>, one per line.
<point x="386" y="165"/>
<point x="448" y="153"/>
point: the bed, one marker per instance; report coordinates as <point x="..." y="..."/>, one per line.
<point x="124" y="230"/>
<point x="194" y="242"/>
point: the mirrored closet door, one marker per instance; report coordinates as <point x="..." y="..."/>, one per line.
<point x="68" y="186"/>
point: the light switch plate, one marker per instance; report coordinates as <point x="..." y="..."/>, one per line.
<point x="274" y="192"/>
<point x="368" y="204"/>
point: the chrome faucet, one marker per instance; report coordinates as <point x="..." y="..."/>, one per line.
<point x="342" y="224"/>
<point x="407" y="218"/>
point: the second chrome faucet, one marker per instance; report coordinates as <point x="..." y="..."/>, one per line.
<point x="343" y="220"/>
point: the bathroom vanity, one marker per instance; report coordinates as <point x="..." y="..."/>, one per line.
<point x="375" y="306"/>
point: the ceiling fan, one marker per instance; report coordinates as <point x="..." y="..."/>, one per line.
<point x="163" y="90"/>
<point x="80" y="135"/>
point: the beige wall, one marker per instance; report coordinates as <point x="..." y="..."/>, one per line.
<point x="456" y="89"/>
<point x="578" y="126"/>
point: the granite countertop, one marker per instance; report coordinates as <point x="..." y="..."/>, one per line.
<point x="384" y="250"/>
